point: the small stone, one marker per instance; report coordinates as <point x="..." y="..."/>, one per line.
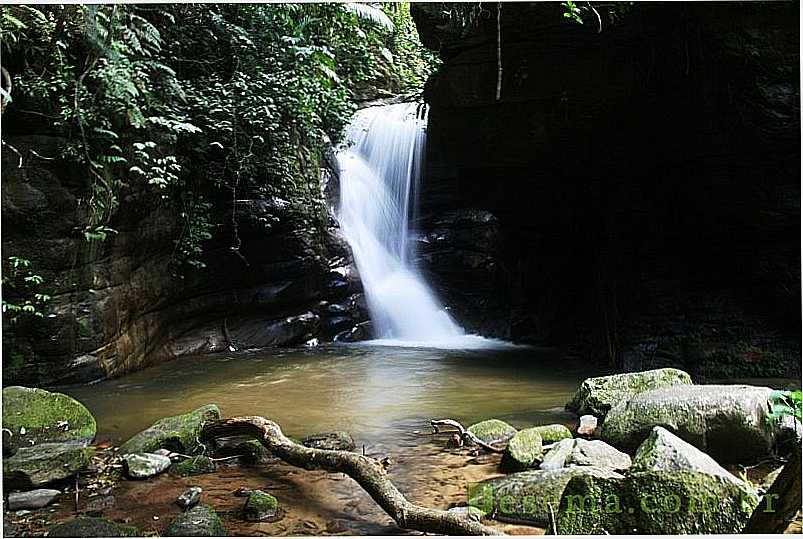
<point x="162" y="451"/>
<point x="33" y="499"/>
<point x="155" y="517"/>
<point x="144" y="465"/>
<point x="588" y="424"/>
<point x="260" y="506"/>
<point x="189" y="498"/>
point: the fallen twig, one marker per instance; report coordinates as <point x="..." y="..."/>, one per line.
<point x="465" y="434"/>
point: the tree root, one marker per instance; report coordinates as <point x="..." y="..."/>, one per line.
<point x="366" y="471"/>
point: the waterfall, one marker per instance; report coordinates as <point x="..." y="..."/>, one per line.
<point x="380" y="169"/>
<point x="379" y="172"/>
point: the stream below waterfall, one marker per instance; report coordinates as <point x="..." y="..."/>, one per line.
<point x="383" y="395"/>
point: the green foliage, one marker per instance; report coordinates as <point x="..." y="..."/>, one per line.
<point x="571" y="11"/>
<point x="786" y="403"/>
<point x="22" y="290"/>
<point x="189" y="103"/>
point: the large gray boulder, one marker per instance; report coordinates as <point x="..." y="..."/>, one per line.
<point x="526" y="497"/>
<point x="40" y="464"/>
<point x="178" y="433"/>
<point x="654" y="503"/>
<point x="663" y="451"/>
<point x="579" y="452"/>
<point x="598" y="395"/>
<point x="729" y="422"/>
<point x="34" y="416"/>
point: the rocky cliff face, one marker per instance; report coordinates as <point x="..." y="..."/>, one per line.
<point x="120" y="305"/>
<point x="634" y="193"/>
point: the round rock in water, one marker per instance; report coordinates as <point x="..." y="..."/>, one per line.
<point x="189" y="498"/>
<point x="260" y="506"/>
<point x="144" y="465"/>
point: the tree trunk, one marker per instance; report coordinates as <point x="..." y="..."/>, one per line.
<point x="782" y="502"/>
<point x="366" y="471"/>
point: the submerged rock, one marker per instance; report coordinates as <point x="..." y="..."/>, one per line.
<point x="526" y="497"/>
<point x="579" y="452"/>
<point x="598" y="395"/>
<point x="40" y="464"/>
<point x="337" y="441"/>
<point x="195" y="466"/>
<point x="189" y="498"/>
<point x="260" y="506"/>
<point x="35" y="416"/>
<point x="92" y="527"/>
<point x="663" y="451"/>
<point x="200" y="521"/>
<point x="144" y="465"/>
<point x="655" y="503"/>
<point x="553" y="433"/>
<point x="177" y="433"/>
<point x="492" y="431"/>
<point x="729" y="422"/>
<point x="467" y="511"/>
<point x="523" y="451"/>
<point x="33" y="499"/>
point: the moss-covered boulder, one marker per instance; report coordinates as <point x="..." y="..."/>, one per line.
<point x="654" y="503"/>
<point x="523" y="451"/>
<point x="260" y="506"/>
<point x="553" y="433"/>
<point x="492" y="431"/>
<point x="34" y="416"/>
<point x="40" y="464"/>
<point x="177" y="433"/>
<point x="663" y="451"/>
<point x="729" y="422"/>
<point x="526" y="497"/>
<point x="335" y="441"/>
<point x="598" y="395"/>
<point x="197" y="465"/>
<point x="92" y="527"/>
<point x="200" y="521"/>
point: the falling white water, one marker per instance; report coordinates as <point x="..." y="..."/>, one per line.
<point x="380" y="167"/>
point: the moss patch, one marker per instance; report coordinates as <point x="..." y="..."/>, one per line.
<point x="92" y="527"/>
<point x="492" y="431"/>
<point x="37" y="416"/>
<point x="598" y="395"/>
<point x="663" y="502"/>
<point x="553" y="433"/>
<point x="195" y="466"/>
<point x="177" y="433"/>
<point x="523" y="451"/>
<point x="260" y="506"/>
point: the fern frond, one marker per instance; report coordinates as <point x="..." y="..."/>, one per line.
<point x="369" y="13"/>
